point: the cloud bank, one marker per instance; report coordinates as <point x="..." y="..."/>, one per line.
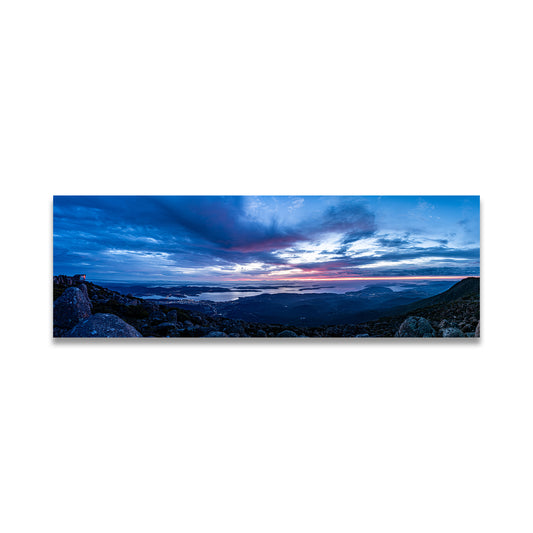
<point x="207" y="238"/>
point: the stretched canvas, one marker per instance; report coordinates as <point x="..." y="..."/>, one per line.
<point x="266" y="266"/>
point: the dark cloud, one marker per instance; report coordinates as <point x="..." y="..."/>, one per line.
<point x="204" y="231"/>
<point x="203" y="223"/>
<point x="198" y="220"/>
<point x="351" y="218"/>
<point x="395" y="242"/>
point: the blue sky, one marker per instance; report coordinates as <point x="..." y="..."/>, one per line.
<point x="226" y="238"/>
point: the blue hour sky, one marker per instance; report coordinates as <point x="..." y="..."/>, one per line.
<point x="265" y="238"/>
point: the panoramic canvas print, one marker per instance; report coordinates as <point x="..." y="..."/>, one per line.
<point x="266" y="266"/>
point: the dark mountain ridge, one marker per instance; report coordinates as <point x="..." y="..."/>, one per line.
<point x="465" y="288"/>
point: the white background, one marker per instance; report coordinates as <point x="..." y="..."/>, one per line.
<point x="277" y="97"/>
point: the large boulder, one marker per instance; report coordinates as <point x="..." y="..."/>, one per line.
<point x="83" y="288"/>
<point x="452" y="332"/>
<point x="103" y="325"/>
<point x="166" y="329"/>
<point x="71" y="307"/>
<point x="287" y="333"/>
<point x="216" y="334"/>
<point x="415" y="326"/>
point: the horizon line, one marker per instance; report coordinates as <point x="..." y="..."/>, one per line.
<point x="314" y="278"/>
<point x="364" y="278"/>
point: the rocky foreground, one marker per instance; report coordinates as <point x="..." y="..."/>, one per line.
<point x="83" y="309"/>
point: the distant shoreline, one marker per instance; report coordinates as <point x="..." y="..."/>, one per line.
<point x="234" y="291"/>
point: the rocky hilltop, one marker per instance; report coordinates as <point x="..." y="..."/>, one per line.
<point x="84" y="309"/>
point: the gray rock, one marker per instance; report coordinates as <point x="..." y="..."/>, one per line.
<point x="83" y="288"/>
<point x="477" y="333"/>
<point x="234" y="328"/>
<point x="71" y="307"/>
<point x="172" y="316"/>
<point x="216" y="334"/>
<point x="103" y="325"/>
<point x="415" y="326"/>
<point x="157" y="316"/>
<point x="260" y="333"/>
<point x="166" y="325"/>
<point x="202" y="331"/>
<point x="201" y="320"/>
<point x="287" y="333"/>
<point x="167" y="329"/>
<point x="349" y="331"/>
<point x="452" y="332"/>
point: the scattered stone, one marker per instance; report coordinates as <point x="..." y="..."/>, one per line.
<point x="103" y="325"/>
<point x="64" y="280"/>
<point x="166" y="329"/>
<point x="71" y="307"/>
<point x="287" y="333"/>
<point x="157" y="316"/>
<point x="452" y="332"/>
<point x="216" y="334"/>
<point x="155" y="319"/>
<point x="234" y="328"/>
<point x="415" y="326"/>
<point x="166" y="325"/>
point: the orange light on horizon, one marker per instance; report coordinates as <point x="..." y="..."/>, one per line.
<point x="365" y="278"/>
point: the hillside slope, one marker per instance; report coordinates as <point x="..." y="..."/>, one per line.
<point x="466" y="288"/>
<point x="455" y="309"/>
